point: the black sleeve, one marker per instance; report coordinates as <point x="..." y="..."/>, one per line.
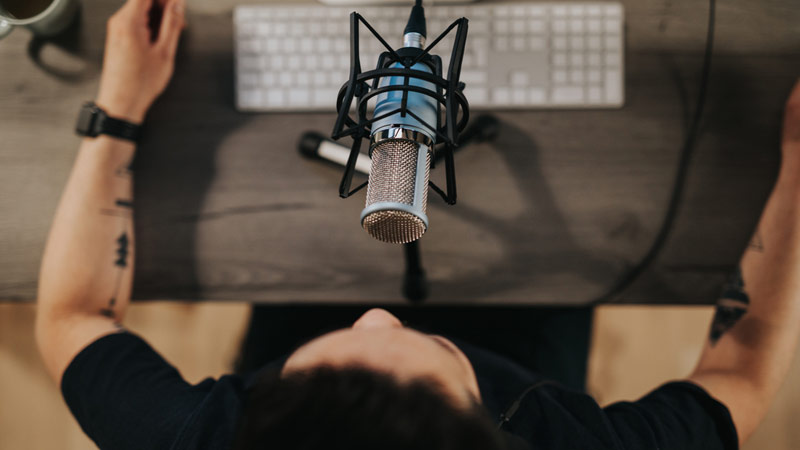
<point x="125" y="396"/>
<point x="678" y="415"/>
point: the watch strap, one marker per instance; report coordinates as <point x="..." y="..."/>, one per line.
<point x="93" y="121"/>
<point x="119" y="128"/>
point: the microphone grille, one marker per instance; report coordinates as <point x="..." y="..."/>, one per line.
<point x="394" y="179"/>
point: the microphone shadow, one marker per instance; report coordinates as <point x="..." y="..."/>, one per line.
<point x="175" y="164"/>
<point x="538" y="251"/>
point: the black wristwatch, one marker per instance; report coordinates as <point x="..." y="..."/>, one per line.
<point x="93" y="121"/>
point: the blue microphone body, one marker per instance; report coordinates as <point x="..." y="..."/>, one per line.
<point x="424" y="106"/>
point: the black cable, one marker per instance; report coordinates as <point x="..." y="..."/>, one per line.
<point x="680" y="176"/>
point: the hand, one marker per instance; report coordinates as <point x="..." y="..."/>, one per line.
<point x="137" y="68"/>
<point x="791" y="125"/>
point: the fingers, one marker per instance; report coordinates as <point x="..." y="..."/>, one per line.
<point x="171" y="25"/>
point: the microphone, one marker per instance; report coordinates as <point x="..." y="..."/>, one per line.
<point x="407" y="122"/>
<point x="401" y="147"/>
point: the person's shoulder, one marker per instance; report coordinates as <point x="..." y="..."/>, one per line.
<point x="549" y="415"/>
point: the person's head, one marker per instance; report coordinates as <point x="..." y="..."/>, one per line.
<point x="374" y="385"/>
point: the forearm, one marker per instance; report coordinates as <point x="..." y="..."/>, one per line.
<point x="746" y="359"/>
<point x="87" y="268"/>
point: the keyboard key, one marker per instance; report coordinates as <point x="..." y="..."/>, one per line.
<point x="568" y="95"/>
<point x="519" y="96"/>
<point x="612" y="42"/>
<point x="299" y="97"/>
<point x="248" y="79"/>
<point x="559" y="59"/>
<point x="477" y="28"/>
<point x="577" y="10"/>
<point x="306" y="45"/>
<point x="536" y="11"/>
<point x="611" y="26"/>
<point x="594" y="95"/>
<point x="594" y="43"/>
<point x="325" y="97"/>
<point x="613" y="59"/>
<point x="593" y="76"/>
<point x="537" y="96"/>
<point x="474" y="77"/>
<point x="613" y="10"/>
<point x="501" y="95"/>
<point x="249" y="98"/>
<point x="268" y="78"/>
<point x="519" y="78"/>
<point x="559" y="26"/>
<point x="559" y="76"/>
<point x="477" y="95"/>
<point x="536" y="26"/>
<point x="594" y="26"/>
<point x="613" y="88"/>
<point x="275" y="98"/>
<point x="501" y="44"/>
<point x="576" y="76"/>
<point x="502" y="26"/>
<point x="560" y="43"/>
<point x="537" y="43"/>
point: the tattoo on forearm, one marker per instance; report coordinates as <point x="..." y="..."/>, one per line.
<point x="122" y="250"/>
<point x="123" y="208"/>
<point x="125" y="170"/>
<point x="757" y="243"/>
<point x="731" y="306"/>
<point x="124" y="203"/>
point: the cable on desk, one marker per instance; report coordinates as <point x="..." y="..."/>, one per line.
<point x="680" y="176"/>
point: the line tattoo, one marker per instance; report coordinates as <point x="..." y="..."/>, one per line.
<point x="731" y="306"/>
<point x="126" y="214"/>
<point x="124" y="203"/>
<point x="125" y="170"/>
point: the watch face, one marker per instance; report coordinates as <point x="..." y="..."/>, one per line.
<point x="86" y="119"/>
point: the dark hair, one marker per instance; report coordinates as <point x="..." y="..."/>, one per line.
<point x="357" y="409"/>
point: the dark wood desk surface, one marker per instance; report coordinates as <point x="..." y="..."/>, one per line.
<point x="555" y="211"/>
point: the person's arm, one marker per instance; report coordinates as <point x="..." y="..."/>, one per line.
<point x="755" y="330"/>
<point x="87" y="270"/>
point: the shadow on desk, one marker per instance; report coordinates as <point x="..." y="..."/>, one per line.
<point x="175" y="164"/>
<point x="537" y="243"/>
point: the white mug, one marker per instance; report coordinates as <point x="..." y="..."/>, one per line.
<point x="53" y="19"/>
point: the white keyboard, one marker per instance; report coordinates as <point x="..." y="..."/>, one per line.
<point x="518" y="55"/>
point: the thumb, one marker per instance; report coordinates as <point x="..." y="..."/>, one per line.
<point x="171" y="25"/>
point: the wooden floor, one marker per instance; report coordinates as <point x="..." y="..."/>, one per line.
<point x="635" y="349"/>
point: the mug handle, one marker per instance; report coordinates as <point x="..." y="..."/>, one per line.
<point x="35" y="47"/>
<point x="5" y="28"/>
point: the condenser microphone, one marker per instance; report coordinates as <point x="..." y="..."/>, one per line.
<point x="401" y="145"/>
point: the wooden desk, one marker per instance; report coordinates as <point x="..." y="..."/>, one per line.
<point x="563" y="204"/>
